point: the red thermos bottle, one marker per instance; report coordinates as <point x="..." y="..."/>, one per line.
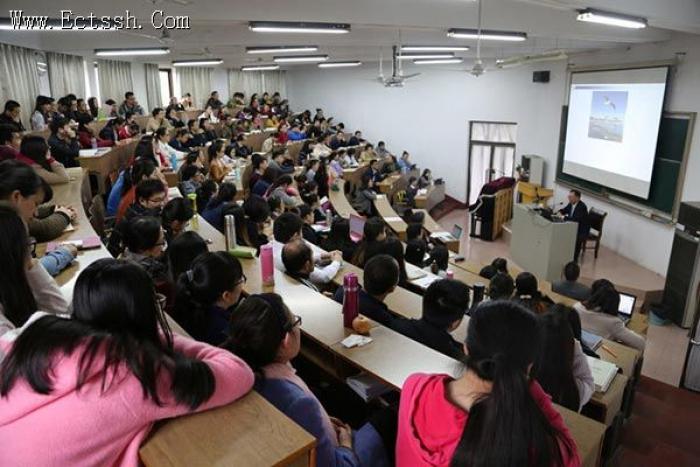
<point x="351" y="300"/>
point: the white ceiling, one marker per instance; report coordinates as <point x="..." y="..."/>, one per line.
<point x="221" y="26"/>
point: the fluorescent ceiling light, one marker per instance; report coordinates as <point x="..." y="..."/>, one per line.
<point x="434" y="48"/>
<point x="301" y="59"/>
<point x="425" y="56"/>
<point x="281" y="49"/>
<point x="41" y="63"/>
<point x="591" y="15"/>
<point x="198" y="62"/>
<point x="439" y="61"/>
<point x="292" y="27"/>
<point x="260" y="67"/>
<point x="56" y="24"/>
<point x="339" y="64"/>
<point x="142" y="51"/>
<point x="487" y="35"/>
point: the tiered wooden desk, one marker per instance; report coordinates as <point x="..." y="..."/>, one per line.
<point x="431" y="226"/>
<point x="435" y="195"/>
<point x="391" y="218"/>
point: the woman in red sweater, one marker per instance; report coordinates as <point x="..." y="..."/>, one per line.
<point x="494" y="415"/>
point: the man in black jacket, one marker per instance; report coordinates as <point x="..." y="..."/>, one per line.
<point x="65" y="148"/>
<point x="444" y="304"/>
<point x="577" y="211"/>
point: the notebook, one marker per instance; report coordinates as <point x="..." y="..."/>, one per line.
<point x="415" y="273"/>
<point x="603" y="373"/>
<point x="591" y="340"/>
<point x="424" y="282"/>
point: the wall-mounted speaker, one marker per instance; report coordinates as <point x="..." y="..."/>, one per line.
<point x="540" y="76"/>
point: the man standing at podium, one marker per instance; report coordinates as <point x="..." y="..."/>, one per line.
<point x="577" y="211"/>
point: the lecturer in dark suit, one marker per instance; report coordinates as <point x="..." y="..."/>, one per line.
<point x="577" y="211"/>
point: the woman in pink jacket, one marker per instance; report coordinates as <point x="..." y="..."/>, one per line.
<point x="494" y="415"/>
<point x="86" y="390"/>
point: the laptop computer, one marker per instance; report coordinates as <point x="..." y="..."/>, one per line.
<point x="357" y="228"/>
<point x="626" y="307"/>
<point x="456" y="232"/>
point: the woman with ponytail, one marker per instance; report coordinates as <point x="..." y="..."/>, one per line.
<point x="86" y="390"/>
<point x="494" y="415"/>
<point x="265" y="334"/>
<point x="205" y="295"/>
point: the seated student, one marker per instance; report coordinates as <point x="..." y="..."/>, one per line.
<point x="149" y="201"/>
<point x="311" y="169"/>
<point x="10" y="141"/>
<point x="364" y="198"/>
<point x="322" y="180"/>
<point x="445" y="303"/>
<point x="501" y="265"/>
<point x="492" y="415"/>
<point x="278" y="162"/>
<point x="488" y="271"/>
<point x="217" y="168"/>
<point x="25" y="285"/>
<point x="179" y="140"/>
<point x="197" y="137"/>
<point x="11" y="116"/>
<point x="501" y="287"/>
<point x="275" y="206"/>
<point x="338" y="239"/>
<point x="307" y="217"/>
<point x="415" y="253"/>
<point x="124" y="188"/>
<point x="266" y="335"/>
<point x="355" y="139"/>
<point x="381" y="277"/>
<point x="373" y="232"/>
<point x="279" y="190"/>
<point x="206" y="192"/>
<point x="87" y="138"/>
<point x="269" y="143"/>
<point x="426" y="179"/>
<point x="240" y="148"/>
<point x="144" y="242"/>
<point x="295" y="133"/>
<point x="182" y="251"/>
<point x="298" y="261"/>
<point x="263" y="183"/>
<point x="206" y="294"/>
<point x="110" y="132"/>
<point x="191" y="178"/>
<point x="393" y="247"/>
<point x="372" y="176"/>
<point x="156" y="120"/>
<point x="527" y="293"/>
<point x="321" y="148"/>
<point x="561" y="367"/>
<point x="412" y="191"/>
<point x="257" y="214"/>
<point x="175" y="216"/>
<point x="338" y="141"/>
<point x="41" y="115"/>
<point x="259" y="163"/>
<point x="570" y="287"/>
<point x="24" y="190"/>
<point x="214" y="212"/>
<point x="113" y="368"/>
<point x="65" y="148"/>
<point x="599" y="315"/>
<point x="404" y="164"/>
<point x="34" y="151"/>
<point x="438" y="263"/>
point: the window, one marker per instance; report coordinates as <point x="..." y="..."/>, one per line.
<point x="166" y="86"/>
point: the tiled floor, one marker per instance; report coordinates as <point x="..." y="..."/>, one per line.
<point x="666" y="345"/>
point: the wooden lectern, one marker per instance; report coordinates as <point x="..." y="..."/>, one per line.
<point x="529" y="193"/>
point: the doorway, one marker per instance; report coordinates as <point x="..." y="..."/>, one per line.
<point x="491" y="154"/>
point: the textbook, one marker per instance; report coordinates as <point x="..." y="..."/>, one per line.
<point x="603" y="373"/>
<point x="591" y="340"/>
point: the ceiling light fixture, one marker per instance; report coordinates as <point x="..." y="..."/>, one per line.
<point x="439" y="61"/>
<point x="487" y="35"/>
<point x="301" y="59"/>
<point x="127" y="52"/>
<point x="339" y="64"/>
<point x="260" y="67"/>
<point x="591" y="15"/>
<point x="281" y="49"/>
<point x="434" y="48"/>
<point x="426" y="56"/>
<point x="292" y="27"/>
<point x="199" y="62"/>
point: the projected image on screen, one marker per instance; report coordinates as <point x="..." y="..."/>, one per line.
<point x="607" y="119"/>
<point x="612" y="127"/>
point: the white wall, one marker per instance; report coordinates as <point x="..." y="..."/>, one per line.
<point x="429" y="118"/>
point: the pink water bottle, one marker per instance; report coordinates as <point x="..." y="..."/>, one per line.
<point x="351" y="299"/>
<point x="267" y="265"/>
<point x="450" y="274"/>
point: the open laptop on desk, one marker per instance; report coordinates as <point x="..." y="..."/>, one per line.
<point x="626" y="308"/>
<point x="448" y="236"/>
<point x="357" y="228"/>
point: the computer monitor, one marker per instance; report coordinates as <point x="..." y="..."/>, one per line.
<point x="357" y="227"/>
<point x="627" y="303"/>
<point x="456" y="231"/>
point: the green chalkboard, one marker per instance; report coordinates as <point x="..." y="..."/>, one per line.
<point x="674" y="132"/>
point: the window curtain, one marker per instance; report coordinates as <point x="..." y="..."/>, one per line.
<point x="153" y="86"/>
<point x="247" y="82"/>
<point x="19" y="78"/>
<point x="115" y="79"/>
<point x="275" y="81"/>
<point x="66" y="75"/>
<point x="196" y="81"/>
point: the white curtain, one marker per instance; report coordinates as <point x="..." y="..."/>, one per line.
<point x="153" y="86"/>
<point x="251" y="82"/>
<point x="19" y="78"/>
<point x="196" y="81"/>
<point x="484" y="167"/>
<point x="275" y="81"/>
<point x="115" y="79"/>
<point x="66" y="74"/>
